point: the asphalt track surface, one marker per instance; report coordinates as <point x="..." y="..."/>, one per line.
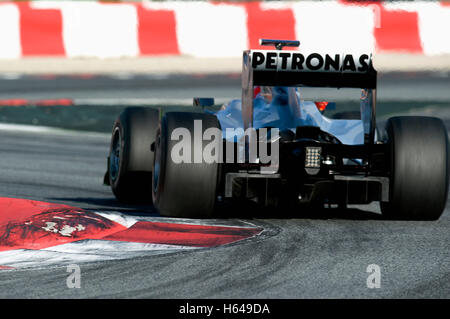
<point x="302" y="255"/>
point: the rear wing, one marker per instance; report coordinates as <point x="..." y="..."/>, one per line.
<point x="292" y="68"/>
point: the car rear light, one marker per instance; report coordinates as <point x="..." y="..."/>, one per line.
<point x="321" y="106"/>
<point x="312" y="160"/>
<point x="256" y="91"/>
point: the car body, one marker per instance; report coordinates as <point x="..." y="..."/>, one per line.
<point x="315" y="160"/>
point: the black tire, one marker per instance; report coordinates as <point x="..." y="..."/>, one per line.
<point x="184" y="189"/>
<point x="130" y="159"/>
<point x="419" y="168"/>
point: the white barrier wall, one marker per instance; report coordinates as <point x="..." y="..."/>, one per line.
<point x="215" y="29"/>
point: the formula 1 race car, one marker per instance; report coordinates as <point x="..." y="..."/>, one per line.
<point x="279" y="149"/>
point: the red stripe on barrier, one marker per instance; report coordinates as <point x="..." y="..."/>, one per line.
<point x="14" y="102"/>
<point x="398" y="32"/>
<point x="25" y="102"/>
<point x="183" y="234"/>
<point x="268" y="24"/>
<point x="40" y="31"/>
<point x="157" y="31"/>
<point x="27" y="224"/>
<point x="6" y="267"/>
<point x="57" y="102"/>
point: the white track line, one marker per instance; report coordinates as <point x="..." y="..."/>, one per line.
<point x="48" y="130"/>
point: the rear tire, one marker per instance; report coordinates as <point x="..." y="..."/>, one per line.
<point x="130" y="160"/>
<point x="419" y="168"/>
<point x="184" y="189"/>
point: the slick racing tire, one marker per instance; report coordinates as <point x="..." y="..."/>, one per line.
<point x="419" y="168"/>
<point x="130" y="158"/>
<point x="184" y="188"/>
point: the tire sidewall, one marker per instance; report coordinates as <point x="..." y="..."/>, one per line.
<point x="136" y="127"/>
<point x="118" y="128"/>
<point x="184" y="189"/>
<point x="418" y="160"/>
<point x="161" y="156"/>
